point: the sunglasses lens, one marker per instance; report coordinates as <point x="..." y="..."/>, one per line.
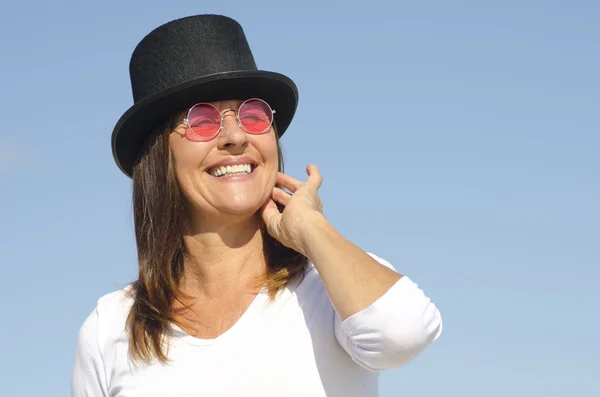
<point x="255" y="116"/>
<point x="204" y="120"/>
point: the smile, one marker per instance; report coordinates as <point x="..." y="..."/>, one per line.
<point x="231" y="170"/>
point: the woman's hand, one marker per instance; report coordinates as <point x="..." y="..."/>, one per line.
<point x="353" y="279"/>
<point x="291" y="225"/>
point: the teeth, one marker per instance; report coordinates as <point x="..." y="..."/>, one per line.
<point x="238" y="169"/>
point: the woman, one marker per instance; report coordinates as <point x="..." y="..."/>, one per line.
<point x="244" y="287"/>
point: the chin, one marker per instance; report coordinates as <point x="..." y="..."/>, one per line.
<point x="242" y="205"/>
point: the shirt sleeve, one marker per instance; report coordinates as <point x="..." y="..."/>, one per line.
<point x="89" y="377"/>
<point x="393" y="330"/>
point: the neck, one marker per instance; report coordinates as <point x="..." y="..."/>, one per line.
<point x="224" y="258"/>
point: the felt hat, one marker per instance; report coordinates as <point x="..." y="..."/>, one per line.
<point x="200" y="58"/>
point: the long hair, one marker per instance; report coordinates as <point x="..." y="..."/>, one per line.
<point x="160" y="222"/>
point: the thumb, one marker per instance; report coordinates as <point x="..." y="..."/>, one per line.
<point x="270" y="215"/>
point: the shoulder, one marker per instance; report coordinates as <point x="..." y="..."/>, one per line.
<point x="115" y="303"/>
<point x="108" y="319"/>
<point x="100" y="332"/>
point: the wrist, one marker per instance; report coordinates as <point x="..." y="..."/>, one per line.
<point x="315" y="234"/>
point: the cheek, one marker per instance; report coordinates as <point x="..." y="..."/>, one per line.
<point x="273" y="166"/>
<point x="267" y="146"/>
<point x="187" y="156"/>
<point x="187" y="159"/>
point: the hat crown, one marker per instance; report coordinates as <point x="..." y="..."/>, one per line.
<point x="186" y="49"/>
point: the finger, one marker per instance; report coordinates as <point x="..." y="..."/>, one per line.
<point x="314" y="176"/>
<point x="280" y="196"/>
<point x="290" y="183"/>
<point x="270" y="215"/>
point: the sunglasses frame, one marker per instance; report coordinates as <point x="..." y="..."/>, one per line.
<point x="221" y="114"/>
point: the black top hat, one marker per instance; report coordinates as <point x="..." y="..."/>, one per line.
<point x="190" y="60"/>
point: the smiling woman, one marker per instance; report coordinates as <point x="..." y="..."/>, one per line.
<point x="244" y="287"/>
<point x="162" y="222"/>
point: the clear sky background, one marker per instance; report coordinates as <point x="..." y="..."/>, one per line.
<point x="458" y="139"/>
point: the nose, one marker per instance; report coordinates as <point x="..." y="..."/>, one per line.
<point x="231" y="135"/>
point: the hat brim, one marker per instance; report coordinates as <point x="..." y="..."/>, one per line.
<point x="135" y="125"/>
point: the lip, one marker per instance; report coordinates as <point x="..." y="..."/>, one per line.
<point x="233" y="178"/>
<point x="233" y="161"/>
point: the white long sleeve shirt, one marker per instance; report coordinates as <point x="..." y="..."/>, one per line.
<point x="293" y="346"/>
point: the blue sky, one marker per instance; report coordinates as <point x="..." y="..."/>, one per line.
<point x="476" y="174"/>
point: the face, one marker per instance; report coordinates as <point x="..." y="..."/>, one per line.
<point x="199" y="167"/>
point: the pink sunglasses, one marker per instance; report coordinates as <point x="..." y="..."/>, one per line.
<point x="205" y="121"/>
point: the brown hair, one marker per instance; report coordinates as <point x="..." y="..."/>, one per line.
<point x="160" y="221"/>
